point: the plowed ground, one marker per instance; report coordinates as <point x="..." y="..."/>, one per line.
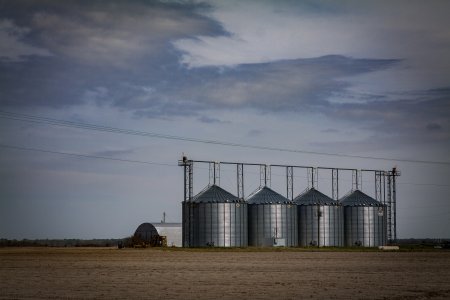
<point x="43" y="273"/>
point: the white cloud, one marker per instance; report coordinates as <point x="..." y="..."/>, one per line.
<point x="258" y="33"/>
<point x="12" y="45"/>
<point x="264" y="31"/>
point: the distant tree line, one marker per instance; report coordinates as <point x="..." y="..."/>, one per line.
<point x="133" y="241"/>
<point x="423" y="242"/>
<point x="63" y="242"/>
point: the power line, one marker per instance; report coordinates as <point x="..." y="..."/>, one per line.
<point x="86" y="126"/>
<point x="86" y="155"/>
<point x="158" y="164"/>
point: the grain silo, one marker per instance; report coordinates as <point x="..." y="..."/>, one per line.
<point x="215" y="218"/>
<point x="365" y="220"/>
<point x="320" y="220"/>
<point x="272" y="219"/>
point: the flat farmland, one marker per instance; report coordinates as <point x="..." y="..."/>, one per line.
<point x="43" y="273"/>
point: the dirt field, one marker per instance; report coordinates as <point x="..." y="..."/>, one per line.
<point x="42" y="273"/>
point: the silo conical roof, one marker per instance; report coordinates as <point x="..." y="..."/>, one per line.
<point x="358" y="198"/>
<point x="266" y="195"/>
<point x="215" y="194"/>
<point x="314" y="197"/>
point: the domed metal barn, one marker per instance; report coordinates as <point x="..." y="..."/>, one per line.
<point x="146" y="232"/>
<point x="217" y="218"/>
<point x="365" y="220"/>
<point x="272" y="219"/>
<point x="320" y="220"/>
<point x="154" y="234"/>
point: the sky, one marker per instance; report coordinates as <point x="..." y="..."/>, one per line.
<point x="355" y="78"/>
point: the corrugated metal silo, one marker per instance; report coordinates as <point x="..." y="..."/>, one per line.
<point x="217" y="218"/>
<point x="365" y="220"/>
<point x="320" y="220"/>
<point x="272" y="219"/>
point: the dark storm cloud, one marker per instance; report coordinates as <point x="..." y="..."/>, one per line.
<point x="121" y="54"/>
<point x="287" y="85"/>
<point x="254" y="133"/>
<point x="433" y="127"/>
<point x="422" y="120"/>
<point x="294" y="85"/>
<point x="301" y="85"/>
<point x="13" y="47"/>
<point x="59" y="50"/>
<point x="210" y="120"/>
<point x="402" y="113"/>
<point x="330" y="130"/>
<point x="115" y="32"/>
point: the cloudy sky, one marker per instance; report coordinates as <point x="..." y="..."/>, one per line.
<point x="360" y="78"/>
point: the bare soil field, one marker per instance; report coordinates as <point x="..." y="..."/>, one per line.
<point x="74" y="273"/>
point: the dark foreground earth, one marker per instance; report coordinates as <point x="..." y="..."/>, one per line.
<point x="43" y="273"/>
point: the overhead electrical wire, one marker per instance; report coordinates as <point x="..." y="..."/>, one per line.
<point x="86" y="126"/>
<point x="87" y="156"/>
<point x="161" y="164"/>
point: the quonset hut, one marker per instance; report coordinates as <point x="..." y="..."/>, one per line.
<point x="146" y="232"/>
<point x="150" y="233"/>
<point x="320" y="220"/>
<point x="365" y="220"/>
<point x="272" y="219"/>
<point x="215" y="217"/>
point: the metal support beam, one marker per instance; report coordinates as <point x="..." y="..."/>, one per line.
<point x="309" y="177"/>
<point x="392" y="204"/>
<point x="214" y="173"/>
<point x="290" y="182"/>
<point x="316" y="178"/>
<point x="188" y="166"/>
<point x="240" y="180"/>
<point x="378" y="186"/>
<point x="389" y="208"/>
<point x="360" y="180"/>
<point x="394" y="174"/>
<point x="217" y="173"/>
<point x="356" y="180"/>
<point x="264" y="175"/>
<point x="211" y="168"/>
<point x="335" y="184"/>
<point x="394" y="208"/>
<point x="384" y="187"/>
<point x="312" y="175"/>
